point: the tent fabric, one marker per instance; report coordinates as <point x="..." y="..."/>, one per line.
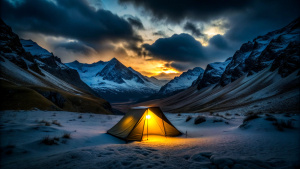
<point x="135" y="124"/>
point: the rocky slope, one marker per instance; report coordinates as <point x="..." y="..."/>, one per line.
<point x="182" y="82"/>
<point x="212" y="74"/>
<point x="31" y="77"/>
<point x="277" y="48"/>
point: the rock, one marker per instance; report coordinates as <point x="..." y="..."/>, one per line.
<point x="213" y="73"/>
<point x="199" y="119"/>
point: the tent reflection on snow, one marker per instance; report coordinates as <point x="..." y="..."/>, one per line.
<point x="140" y="121"/>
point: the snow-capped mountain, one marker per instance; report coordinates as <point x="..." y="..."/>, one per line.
<point x="277" y="48"/>
<point x="34" y="49"/>
<point x="212" y="74"/>
<point x="263" y="75"/>
<point x="181" y="82"/>
<point x="114" y="81"/>
<point x="32" y="77"/>
<point x="281" y="45"/>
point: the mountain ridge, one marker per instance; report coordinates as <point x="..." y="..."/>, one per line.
<point x="114" y="81"/>
<point x="39" y="80"/>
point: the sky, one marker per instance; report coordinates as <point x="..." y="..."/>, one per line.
<point x="159" y="38"/>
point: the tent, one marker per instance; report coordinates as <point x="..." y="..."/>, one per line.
<point x="143" y="121"/>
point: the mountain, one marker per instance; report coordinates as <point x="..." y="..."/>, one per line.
<point x="32" y="77"/>
<point x="182" y="82"/>
<point x="114" y="81"/>
<point x="263" y="75"/>
<point x="281" y="45"/>
<point x="176" y="85"/>
<point x="157" y="82"/>
<point x="212" y="74"/>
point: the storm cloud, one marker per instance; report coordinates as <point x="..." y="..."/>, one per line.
<point x="193" y="29"/>
<point x="74" y="47"/>
<point x="182" y="47"/>
<point x="219" y="42"/>
<point x="176" y="10"/>
<point x="74" y="19"/>
<point x="136" y="22"/>
<point x="246" y="19"/>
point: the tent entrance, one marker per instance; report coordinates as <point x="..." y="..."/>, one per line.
<point x="153" y="125"/>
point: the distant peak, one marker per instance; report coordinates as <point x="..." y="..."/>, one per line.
<point x="75" y="61"/>
<point x="152" y="77"/>
<point x="114" y="59"/>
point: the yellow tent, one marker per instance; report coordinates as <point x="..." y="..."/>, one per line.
<point x="143" y="121"/>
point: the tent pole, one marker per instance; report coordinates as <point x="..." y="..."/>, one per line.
<point x="164" y="125"/>
<point x="147" y="123"/>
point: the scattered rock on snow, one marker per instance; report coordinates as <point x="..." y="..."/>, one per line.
<point x="199" y="119"/>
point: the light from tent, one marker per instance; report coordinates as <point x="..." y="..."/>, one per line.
<point x="148" y="117"/>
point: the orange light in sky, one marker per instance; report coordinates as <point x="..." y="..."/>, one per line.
<point x="169" y="71"/>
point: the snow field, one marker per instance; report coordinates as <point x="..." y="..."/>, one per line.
<point x="218" y="142"/>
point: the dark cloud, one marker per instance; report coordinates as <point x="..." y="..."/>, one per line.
<point x="181" y="66"/>
<point x="176" y="11"/>
<point x="74" y="47"/>
<point x="136" y="22"/>
<point x="74" y="19"/>
<point x="246" y="18"/>
<point x="193" y="29"/>
<point x="219" y="42"/>
<point x="160" y="33"/>
<point x="182" y="47"/>
<point x="263" y="17"/>
<point x="132" y="45"/>
<point x="183" y="52"/>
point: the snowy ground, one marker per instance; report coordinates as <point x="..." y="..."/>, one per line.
<point x="208" y="145"/>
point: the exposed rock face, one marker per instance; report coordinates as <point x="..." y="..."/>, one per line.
<point x="115" y="71"/>
<point x="40" y="57"/>
<point x="264" y="51"/>
<point x="10" y="41"/>
<point x="288" y="61"/>
<point x="212" y="73"/>
<point x="182" y="82"/>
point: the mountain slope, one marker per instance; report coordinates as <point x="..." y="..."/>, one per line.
<point x="212" y="74"/>
<point x="114" y="81"/>
<point x="182" y="82"/>
<point x="255" y="56"/>
<point x="34" y="78"/>
<point x="262" y="76"/>
<point x="265" y="91"/>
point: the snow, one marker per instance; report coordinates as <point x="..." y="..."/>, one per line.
<point x="62" y="66"/>
<point x="18" y="73"/>
<point x="184" y="81"/>
<point x="207" y="145"/>
<point x="88" y="72"/>
<point x="58" y="82"/>
<point x="35" y="49"/>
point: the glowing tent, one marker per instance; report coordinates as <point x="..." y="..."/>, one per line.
<point x="143" y="121"/>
